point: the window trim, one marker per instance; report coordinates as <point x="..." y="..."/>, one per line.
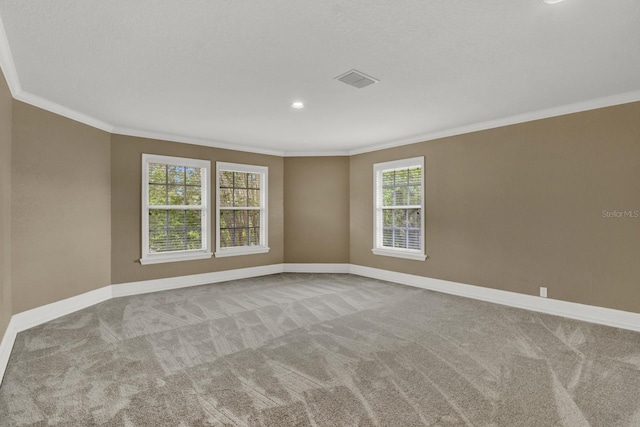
<point x="148" y="257"/>
<point x="264" y="210"/>
<point x="378" y="249"/>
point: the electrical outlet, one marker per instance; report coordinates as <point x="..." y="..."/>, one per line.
<point x="543" y="292"/>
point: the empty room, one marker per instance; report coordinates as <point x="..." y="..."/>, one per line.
<point x="298" y="213"/>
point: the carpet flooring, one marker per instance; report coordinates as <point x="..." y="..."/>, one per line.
<point x="319" y="350"/>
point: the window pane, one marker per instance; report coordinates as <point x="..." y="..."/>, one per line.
<point x="226" y="197"/>
<point x="399" y="238"/>
<point x="387" y="237"/>
<point x="399" y="217"/>
<point x="176" y="219"/>
<point x="194" y="219"/>
<point x="226" y="179"/>
<point x="240" y="179"/>
<point x="226" y="219"/>
<point x="415" y="195"/>
<point x="157" y="173"/>
<point x="241" y="219"/>
<point x="157" y="194"/>
<point x="387" y="196"/>
<point x="194" y="239"/>
<point x="239" y="197"/>
<point x="254" y="180"/>
<point x="387" y="217"/>
<point x="253" y="198"/>
<point x="175" y="174"/>
<point x="225" y="238"/>
<point x="177" y="240"/>
<point x="401" y="196"/>
<point x="414" y="239"/>
<point x="388" y="178"/>
<point x="193" y="176"/>
<point x="242" y="237"/>
<point x="157" y="219"/>
<point x="158" y="241"/>
<point x="415" y="176"/>
<point x="402" y="176"/>
<point x="254" y="236"/>
<point x="228" y="238"/>
<point x="176" y="195"/>
<point x="254" y="218"/>
<point x="414" y="218"/>
<point x="193" y="196"/>
<point x="239" y="228"/>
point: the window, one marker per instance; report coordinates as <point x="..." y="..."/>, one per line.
<point x="399" y="203"/>
<point x="241" y="209"/>
<point x="176" y="214"/>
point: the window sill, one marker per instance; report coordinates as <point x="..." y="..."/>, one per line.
<point x="159" y="259"/>
<point x="242" y="251"/>
<point x="417" y="256"/>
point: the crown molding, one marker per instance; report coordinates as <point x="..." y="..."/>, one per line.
<point x="192" y="140"/>
<point x="11" y="75"/>
<point x="593" y="104"/>
<point x="63" y="111"/>
<point x="316" y="153"/>
<point x="53" y="107"/>
<point x="6" y="63"/>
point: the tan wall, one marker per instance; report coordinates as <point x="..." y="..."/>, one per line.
<point x="316" y="209"/>
<point x="61" y="217"/>
<point x="6" y="106"/>
<point x="511" y="208"/>
<point x="126" y="181"/>
<point x="520" y="207"/>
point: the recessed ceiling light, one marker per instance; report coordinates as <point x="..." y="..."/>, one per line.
<point x="551" y="1"/>
<point x="297" y="105"/>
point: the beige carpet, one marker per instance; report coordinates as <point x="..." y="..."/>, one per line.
<point x="319" y="350"/>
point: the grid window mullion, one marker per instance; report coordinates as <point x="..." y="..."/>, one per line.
<point x="174" y="207"/>
<point x="242" y="197"/>
<point x="402" y="189"/>
<point x="176" y="234"/>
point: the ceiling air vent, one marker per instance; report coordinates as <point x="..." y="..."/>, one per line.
<point x="356" y="79"/>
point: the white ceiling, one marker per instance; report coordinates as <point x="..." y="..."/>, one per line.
<point x="224" y="72"/>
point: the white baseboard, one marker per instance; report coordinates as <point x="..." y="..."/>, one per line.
<point x="146" y="286"/>
<point x="317" y="268"/>
<point x="572" y="310"/>
<point x="30" y="318"/>
<point x="39" y="315"/>
<point x="6" y="345"/>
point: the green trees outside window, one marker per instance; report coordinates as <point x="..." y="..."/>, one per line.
<point x="171" y="227"/>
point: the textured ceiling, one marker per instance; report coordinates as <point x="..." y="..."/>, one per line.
<point x="226" y="71"/>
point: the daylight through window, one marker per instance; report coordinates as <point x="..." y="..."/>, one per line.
<point x="399" y="206"/>
<point x="175" y="209"/>
<point x="242" y="209"/>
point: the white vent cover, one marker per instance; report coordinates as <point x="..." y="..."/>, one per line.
<point x="357" y="79"/>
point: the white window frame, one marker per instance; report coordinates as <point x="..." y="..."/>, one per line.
<point x="263" y="171"/>
<point x="378" y="248"/>
<point x="205" y="179"/>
